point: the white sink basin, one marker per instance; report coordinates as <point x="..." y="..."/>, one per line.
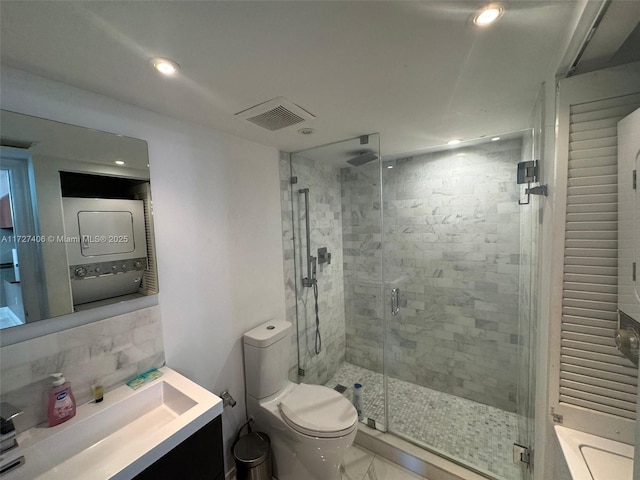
<point x="595" y="458"/>
<point x="119" y="437"/>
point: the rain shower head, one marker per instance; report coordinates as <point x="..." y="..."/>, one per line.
<point x="362" y="158"/>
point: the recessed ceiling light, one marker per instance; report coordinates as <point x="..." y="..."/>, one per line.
<point x="455" y="141"/>
<point x="495" y="139"/>
<point x="306" y="131"/>
<point x="389" y="166"/>
<point x="119" y="162"/>
<point x="488" y="15"/>
<point x="165" y="66"/>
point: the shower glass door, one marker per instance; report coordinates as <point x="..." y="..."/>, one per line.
<point x="331" y="201"/>
<point x="457" y="255"/>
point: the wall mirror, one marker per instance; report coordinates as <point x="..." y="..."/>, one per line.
<point x="76" y="229"/>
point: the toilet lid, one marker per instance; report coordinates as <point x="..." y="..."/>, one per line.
<point x="318" y="411"/>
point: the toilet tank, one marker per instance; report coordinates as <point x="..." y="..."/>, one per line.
<point x="266" y="358"/>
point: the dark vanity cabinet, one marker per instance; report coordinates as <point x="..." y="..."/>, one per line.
<point x="198" y="457"/>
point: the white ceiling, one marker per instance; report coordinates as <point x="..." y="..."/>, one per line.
<point x="419" y="73"/>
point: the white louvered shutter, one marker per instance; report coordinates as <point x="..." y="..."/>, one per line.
<point x="150" y="276"/>
<point x="593" y="374"/>
<point x="149" y="284"/>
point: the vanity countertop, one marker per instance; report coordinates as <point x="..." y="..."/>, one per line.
<point x="590" y="457"/>
<point x="119" y="437"/>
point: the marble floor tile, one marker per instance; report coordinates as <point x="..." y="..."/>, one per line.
<point x="356" y="463"/>
<point x="362" y="464"/>
<point x="383" y="469"/>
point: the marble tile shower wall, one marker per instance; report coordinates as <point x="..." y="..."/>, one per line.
<point x="451" y="239"/>
<point x="325" y="218"/>
<point x="112" y="350"/>
<point x="362" y="241"/>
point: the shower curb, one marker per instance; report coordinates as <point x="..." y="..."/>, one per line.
<point x="412" y="457"/>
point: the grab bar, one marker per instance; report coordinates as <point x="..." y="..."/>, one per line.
<point x="309" y="280"/>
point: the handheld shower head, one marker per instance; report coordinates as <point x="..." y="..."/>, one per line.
<point x="362" y="158"/>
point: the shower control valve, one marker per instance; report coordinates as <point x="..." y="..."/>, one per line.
<point x="324" y="256"/>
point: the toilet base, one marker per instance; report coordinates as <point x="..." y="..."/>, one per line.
<point x="318" y="461"/>
<point x="297" y="456"/>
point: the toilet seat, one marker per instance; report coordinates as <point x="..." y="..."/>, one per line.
<point x="318" y="411"/>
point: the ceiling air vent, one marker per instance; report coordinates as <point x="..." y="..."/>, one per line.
<point x="275" y="114"/>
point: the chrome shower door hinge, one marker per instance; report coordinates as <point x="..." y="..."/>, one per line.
<point x="527" y="172"/>
<point x="522" y="454"/>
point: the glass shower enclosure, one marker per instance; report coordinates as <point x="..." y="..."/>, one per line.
<point x="426" y="297"/>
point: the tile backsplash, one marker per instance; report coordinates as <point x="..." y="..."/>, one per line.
<point x="112" y="350"/>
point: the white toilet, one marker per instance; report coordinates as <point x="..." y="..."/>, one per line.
<point x="310" y="426"/>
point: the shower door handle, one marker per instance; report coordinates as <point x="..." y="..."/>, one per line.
<point x="395" y="301"/>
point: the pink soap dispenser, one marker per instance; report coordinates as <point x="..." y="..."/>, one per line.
<point x="62" y="405"/>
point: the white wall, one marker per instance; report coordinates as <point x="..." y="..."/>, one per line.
<point x="218" y="228"/>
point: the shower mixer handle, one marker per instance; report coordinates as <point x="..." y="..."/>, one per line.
<point x="324" y="256"/>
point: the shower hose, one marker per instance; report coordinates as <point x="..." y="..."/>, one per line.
<point x="318" y="340"/>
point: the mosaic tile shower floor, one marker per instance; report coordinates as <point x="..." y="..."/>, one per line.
<point x="477" y="435"/>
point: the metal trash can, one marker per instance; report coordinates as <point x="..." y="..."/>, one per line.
<point x="252" y="454"/>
